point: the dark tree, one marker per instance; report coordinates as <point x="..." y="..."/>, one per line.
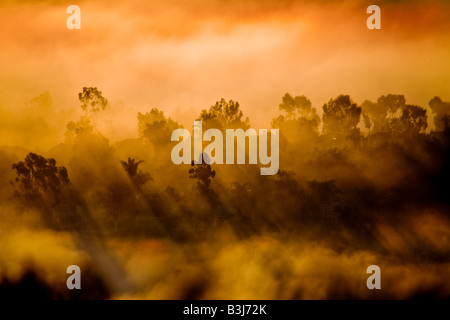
<point x="203" y="173"/>
<point x="224" y="115"/>
<point x="376" y="116"/>
<point x="441" y="110"/>
<point x="391" y="103"/>
<point x="340" y="116"/>
<point x="298" y="114"/>
<point x="38" y="176"/>
<point x="413" y="120"/>
<point x="295" y="106"/>
<point x="137" y="176"/>
<point x="156" y="127"/>
<point x="92" y="100"/>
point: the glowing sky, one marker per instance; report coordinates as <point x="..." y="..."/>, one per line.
<point x="182" y="56"/>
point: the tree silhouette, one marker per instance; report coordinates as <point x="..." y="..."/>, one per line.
<point x="392" y="103"/>
<point x="441" y="110"/>
<point x="156" y="127"/>
<point x="137" y="176"/>
<point x="203" y="173"/>
<point x="131" y="166"/>
<point x="340" y="116"/>
<point x="37" y="176"/>
<point x="298" y="114"/>
<point x="376" y="116"/>
<point x="295" y="107"/>
<point x="413" y="120"/>
<point x="224" y="115"/>
<point x="92" y="100"/>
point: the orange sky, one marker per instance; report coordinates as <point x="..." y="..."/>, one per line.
<point x="182" y="56"/>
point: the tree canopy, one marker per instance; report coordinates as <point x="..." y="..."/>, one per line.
<point x="92" y="100"/>
<point x="340" y="116"/>
<point x="224" y="115"/>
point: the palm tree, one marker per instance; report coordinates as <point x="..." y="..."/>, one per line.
<point x="137" y="176"/>
<point x="131" y="166"/>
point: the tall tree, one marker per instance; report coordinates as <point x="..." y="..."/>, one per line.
<point x="39" y="176"/>
<point x="376" y="115"/>
<point x="137" y="176"/>
<point x="224" y="115"/>
<point x="295" y="106"/>
<point x="92" y="100"/>
<point x="340" y="116"/>
<point x="203" y="173"/>
<point x="156" y="127"/>
<point x="298" y="114"/>
<point x="441" y="110"/>
<point x="392" y="103"/>
<point x="413" y="120"/>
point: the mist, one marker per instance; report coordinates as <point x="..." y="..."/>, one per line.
<point x="87" y="179"/>
<point x="364" y="183"/>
